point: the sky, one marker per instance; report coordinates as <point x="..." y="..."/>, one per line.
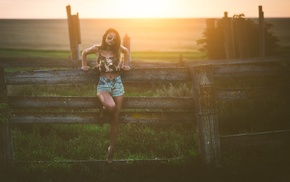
<point x="56" y="9"/>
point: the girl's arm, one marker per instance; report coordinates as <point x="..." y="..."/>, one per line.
<point x="85" y="52"/>
<point x="127" y="58"/>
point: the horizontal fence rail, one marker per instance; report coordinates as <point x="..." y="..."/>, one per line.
<point x="245" y="70"/>
<point x="92" y="102"/>
<point x="150" y="117"/>
<point x="269" y="139"/>
<point x="81" y="77"/>
<point x="251" y="93"/>
<point x="73" y="110"/>
<point x="161" y="74"/>
<point x="67" y="63"/>
<point x="144" y="74"/>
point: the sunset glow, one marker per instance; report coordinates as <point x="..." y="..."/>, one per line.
<point x="49" y="9"/>
<point x="144" y="9"/>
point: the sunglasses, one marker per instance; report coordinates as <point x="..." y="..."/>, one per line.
<point x="111" y="38"/>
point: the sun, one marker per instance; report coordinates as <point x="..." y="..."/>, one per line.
<point x="133" y="8"/>
<point x="146" y="8"/>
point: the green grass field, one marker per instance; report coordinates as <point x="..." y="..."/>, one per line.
<point x="24" y="53"/>
<point x="62" y="144"/>
<point x="140" y="55"/>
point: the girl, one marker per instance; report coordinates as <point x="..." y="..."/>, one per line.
<point x="110" y="90"/>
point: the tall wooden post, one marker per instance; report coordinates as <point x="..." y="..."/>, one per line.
<point x="229" y="39"/>
<point x="206" y="115"/>
<point x="6" y="150"/>
<point x="210" y="26"/>
<point x="261" y="33"/>
<point x="180" y="61"/>
<point x="241" y="35"/>
<point x="74" y="34"/>
<point x="127" y="44"/>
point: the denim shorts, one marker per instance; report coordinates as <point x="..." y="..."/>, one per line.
<point x="113" y="86"/>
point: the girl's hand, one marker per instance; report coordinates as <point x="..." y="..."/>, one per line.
<point x="126" y="68"/>
<point x="85" y="68"/>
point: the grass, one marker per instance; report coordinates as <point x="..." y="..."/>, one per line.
<point x="63" y="144"/>
<point x="89" y="142"/>
<point x="24" y="53"/>
<point x="49" y="141"/>
<point x="166" y="56"/>
<point x="135" y="55"/>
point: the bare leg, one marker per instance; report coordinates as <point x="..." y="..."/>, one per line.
<point x="106" y="100"/>
<point x="113" y="105"/>
<point x="107" y="105"/>
<point x="114" y="127"/>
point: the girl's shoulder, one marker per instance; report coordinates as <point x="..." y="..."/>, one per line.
<point x="96" y="47"/>
<point x="93" y="49"/>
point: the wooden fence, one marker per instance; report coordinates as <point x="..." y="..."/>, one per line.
<point x="200" y="109"/>
<point x="74" y="34"/>
<point x="236" y="43"/>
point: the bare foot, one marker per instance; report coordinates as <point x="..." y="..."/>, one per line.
<point x="110" y="157"/>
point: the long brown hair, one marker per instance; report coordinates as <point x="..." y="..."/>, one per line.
<point x="116" y="46"/>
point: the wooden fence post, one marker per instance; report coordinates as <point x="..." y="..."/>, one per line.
<point x="241" y="36"/>
<point x="180" y="61"/>
<point x="127" y="44"/>
<point x="206" y="115"/>
<point x="6" y="150"/>
<point x="229" y="39"/>
<point x="74" y="34"/>
<point x="261" y="33"/>
<point x="210" y="26"/>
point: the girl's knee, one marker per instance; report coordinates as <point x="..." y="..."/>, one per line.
<point x="111" y="106"/>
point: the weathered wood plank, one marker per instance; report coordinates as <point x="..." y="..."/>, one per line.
<point x="164" y="117"/>
<point x="53" y="102"/>
<point x="92" y="102"/>
<point x="270" y="146"/>
<point x="251" y="93"/>
<point x="157" y="74"/>
<point x="58" y="63"/>
<point x="6" y="147"/>
<point x="81" y="77"/>
<point x="51" y="77"/>
<point x="278" y="60"/>
<point x="141" y="74"/>
<point x="206" y="115"/>
<point x="248" y="70"/>
<point x="270" y="139"/>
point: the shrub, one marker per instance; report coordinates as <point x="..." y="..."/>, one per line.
<point x="175" y="90"/>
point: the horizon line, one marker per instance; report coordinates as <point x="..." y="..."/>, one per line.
<point x="133" y="18"/>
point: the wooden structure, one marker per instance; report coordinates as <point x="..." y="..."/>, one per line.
<point x="262" y="52"/>
<point x="201" y="109"/>
<point x="74" y="34"/>
<point x="235" y="33"/>
<point x="6" y="150"/>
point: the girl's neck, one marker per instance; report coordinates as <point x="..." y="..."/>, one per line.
<point x="109" y="48"/>
<point x="107" y="52"/>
